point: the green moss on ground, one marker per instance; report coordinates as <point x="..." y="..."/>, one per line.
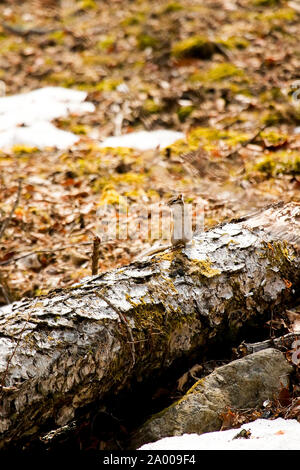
<point x="276" y="163"/>
<point x="194" y="46"/>
<point x="208" y="138"/>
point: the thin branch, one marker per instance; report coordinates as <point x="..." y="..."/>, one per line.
<point x="20" y="31"/>
<point x="53" y="250"/>
<point x="6" y="295"/>
<point x="8" y="219"/>
<point x="12" y="260"/>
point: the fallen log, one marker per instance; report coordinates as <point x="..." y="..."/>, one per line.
<point x="76" y="346"/>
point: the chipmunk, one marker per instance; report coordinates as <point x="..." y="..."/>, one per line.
<point x="181" y="226"/>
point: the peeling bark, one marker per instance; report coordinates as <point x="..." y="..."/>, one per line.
<point x="74" y="346"/>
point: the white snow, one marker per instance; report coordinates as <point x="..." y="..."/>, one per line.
<point x="25" y="119"/>
<point x="144" y="140"/>
<point x="278" y="434"/>
<point x="34" y="111"/>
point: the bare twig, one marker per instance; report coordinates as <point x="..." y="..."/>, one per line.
<point x="95" y="255"/>
<point x="5" y="289"/>
<point x="53" y="250"/>
<point x="20" y="31"/>
<point x="13" y="260"/>
<point x="8" y="219"/>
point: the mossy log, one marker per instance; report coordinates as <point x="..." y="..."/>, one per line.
<point x="76" y="346"/>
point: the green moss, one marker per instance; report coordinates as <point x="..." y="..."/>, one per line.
<point x="128" y="182"/>
<point x="88" y="4"/>
<point x="282" y="14"/>
<point x="106" y="43"/>
<point x="184" y="112"/>
<point x="145" y="40"/>
<point x="129" y="178"/>
<point x="217" y="73"/>
<point x="195" y="46"/>
<point x="266" y="165"/>
<point x="266" y="3"/>
<point x="151" y="107"/>
<point x="238" y="89"/>
<point x="171" y="7"/>
<point x="12" y="45"/>
<point x="98" y="59"/>
<point x="133" y="19"/>
<point x="272" y="94"/>
<point x="129" y="299"/>
<point x="280" y="256"/>
<point x="57" y="36"/>
<point x="111" y="197"/>
<point x="273" y="117"/>
<point x="123" y="152"/>
<point x="23" y="149"/>
<point x="204" y="267"/>
<point x="208" y="138"/>
<point x="273" y="137"/>
<point x="225" y="70"/>
<point x="233" y="42"/>
<point x="79" y="129"/>
<point x="275" y="163"/>
<point x="108" y="84"/>
<point x="193" y="266"/>
<point x="64" y="79"/>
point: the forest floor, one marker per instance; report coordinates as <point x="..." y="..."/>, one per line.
<point x="223" y="72"/>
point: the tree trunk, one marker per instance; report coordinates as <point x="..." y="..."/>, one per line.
<point x="74" y="346"/>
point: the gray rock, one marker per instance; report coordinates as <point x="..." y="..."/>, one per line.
<point x="244" y="383"/>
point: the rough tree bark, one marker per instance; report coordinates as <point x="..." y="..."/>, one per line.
<point x="65" y="350"/>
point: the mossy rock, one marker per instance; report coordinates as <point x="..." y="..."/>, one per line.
<point x="198" y="47"/>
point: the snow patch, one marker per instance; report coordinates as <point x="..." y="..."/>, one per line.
<point x="277" y="434"/>
<point x="25" y="118"/>
<point x="144" y="140"/>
